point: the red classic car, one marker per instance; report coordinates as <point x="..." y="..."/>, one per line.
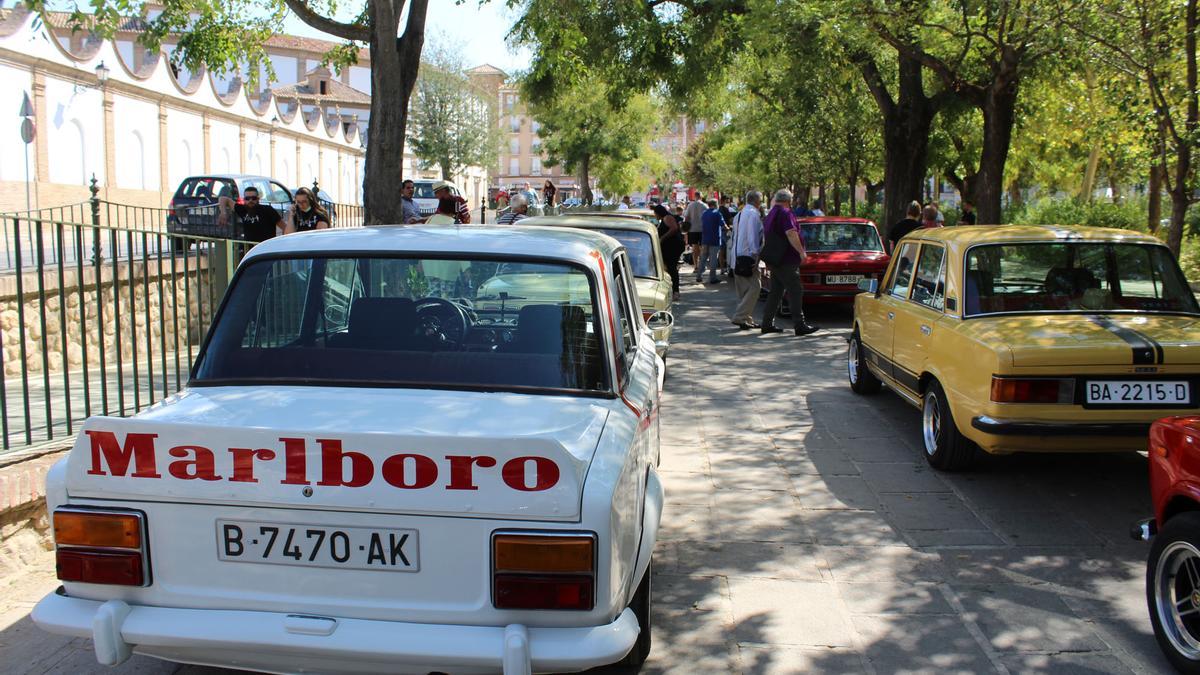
<point x="841" y="252"/>
<point x="1173" y="569"/>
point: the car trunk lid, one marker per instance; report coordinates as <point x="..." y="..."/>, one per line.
<point x="1099" y="339"/>
<point x="387" y="450"/>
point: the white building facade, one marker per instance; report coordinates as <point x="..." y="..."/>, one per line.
<point x="146" y="126"/>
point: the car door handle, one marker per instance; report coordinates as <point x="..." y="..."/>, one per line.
<point x="926" y="330"/>
<point x="891" y="315"/>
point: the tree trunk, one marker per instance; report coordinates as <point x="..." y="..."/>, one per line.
<point x="854" y="195"/>
<point x="1154" y="199"/>
<point x="585" y="183"/>
<point x="1179" y="206"/>
<point x="837" y="199"/>
<point x="447" y="173"/>
<point x="906" y="124"/>
<point x="1089" y="173"/>
<point x="999" y="114"/>
<point x="394" y="65"/>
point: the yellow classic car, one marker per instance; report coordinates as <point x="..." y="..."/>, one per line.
<point x="640" y="239"/>
<point x="1029" y="338"/>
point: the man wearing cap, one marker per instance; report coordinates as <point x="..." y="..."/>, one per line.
<point x="444" y="190"/>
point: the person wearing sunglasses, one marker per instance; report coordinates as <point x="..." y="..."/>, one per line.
<point x="258" y="220"/>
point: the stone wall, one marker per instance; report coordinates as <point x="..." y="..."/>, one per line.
<point x="163" y="305"/>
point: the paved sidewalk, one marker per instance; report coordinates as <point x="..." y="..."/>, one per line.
<point x="804" y="532"/>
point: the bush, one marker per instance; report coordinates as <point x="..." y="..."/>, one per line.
<point x="1189" y="258"/>
<point x="1130" y="214"/>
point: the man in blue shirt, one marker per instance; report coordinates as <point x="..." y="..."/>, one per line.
<point x="711" y="223"/>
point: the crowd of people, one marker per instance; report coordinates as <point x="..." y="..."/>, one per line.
<point x="721" y="239"/>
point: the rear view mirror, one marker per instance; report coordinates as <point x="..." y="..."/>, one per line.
<point x="869" y="286"/>
<point x="660" y="319"/>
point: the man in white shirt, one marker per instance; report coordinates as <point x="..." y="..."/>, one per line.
<point x="691" y="218"/>
<point x="747" y="242"/>
<point x="624" y="205"/>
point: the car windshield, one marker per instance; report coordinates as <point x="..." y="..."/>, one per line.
<point x="1074" y="277"/>
<point x="641" y="250"/>
<point x="423" y="191"/>
<point x="841" y="237"/>
<point x="465" y="323"/>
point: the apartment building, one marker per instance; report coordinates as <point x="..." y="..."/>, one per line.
<point x="521" y="158"/>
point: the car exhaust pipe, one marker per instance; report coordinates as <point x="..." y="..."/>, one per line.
<point x="1144" y="530"/>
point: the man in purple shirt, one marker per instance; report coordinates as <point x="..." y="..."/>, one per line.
<point x="785" y="276"/>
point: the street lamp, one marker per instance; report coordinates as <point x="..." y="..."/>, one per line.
<point x="102" y="74"/>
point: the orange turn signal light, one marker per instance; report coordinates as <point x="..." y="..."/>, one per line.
<point x="537" y="554"/>
<point x="97" y="530"/>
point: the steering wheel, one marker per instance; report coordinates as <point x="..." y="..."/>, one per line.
<point x="441" y="321"/>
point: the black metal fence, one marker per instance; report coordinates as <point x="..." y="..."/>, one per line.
<point x="101" y="312"/>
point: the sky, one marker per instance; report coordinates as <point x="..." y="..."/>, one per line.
<point x="476" y="31"/>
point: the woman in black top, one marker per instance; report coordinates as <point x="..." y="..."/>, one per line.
<point x="548" y="192"/>
<point x="306" y="213"/>
<point x="670" y="241"/>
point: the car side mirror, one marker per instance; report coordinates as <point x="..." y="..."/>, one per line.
<point x="660" y="319"/>
<point x="868" y="286"/>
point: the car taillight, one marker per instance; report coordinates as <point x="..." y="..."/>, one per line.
<point x="171" y="208"/>
<point x="1032" y="390"/>
<point x="536" y="571"/>
<point x="100" y="546"/>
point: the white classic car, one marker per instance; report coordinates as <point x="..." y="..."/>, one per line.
<point x="379" y="466"/>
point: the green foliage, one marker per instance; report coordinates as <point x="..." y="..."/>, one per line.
<point x="1130" y="214"/>
<point x="586" y="128"/>
<point x="452" y="125"/>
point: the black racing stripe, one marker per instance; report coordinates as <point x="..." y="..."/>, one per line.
<point x="879" y="361"/>
<point x="1146" y="350"/>
<point x="910" y="381"/>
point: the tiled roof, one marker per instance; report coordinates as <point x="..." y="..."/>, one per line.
<point x="487" y="69"/>
<point x="337" y="94"/>
<point x="313" y="45"/>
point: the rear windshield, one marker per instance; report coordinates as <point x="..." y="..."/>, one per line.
<point x="841" y="237"/>
<point x="206" y="189"/>
<point x="641" y="250"/>
<point x="410" y="322"/>
<point x="1074" y="277"/>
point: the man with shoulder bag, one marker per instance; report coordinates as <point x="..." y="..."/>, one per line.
<point x="783" y="252"/>
<point x="747" y="242"/>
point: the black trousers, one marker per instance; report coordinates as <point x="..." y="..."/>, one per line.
<point x="784" y="278"/>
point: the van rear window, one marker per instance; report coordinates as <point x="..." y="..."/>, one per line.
<point x="206" y="189"/>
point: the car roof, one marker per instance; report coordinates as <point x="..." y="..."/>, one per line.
<point x="834" y="219"/>
<point x="591" y="222"/>
<point x="968" y="235"/>
<point x="577" y="246"/>
<point x="233" y="176"/>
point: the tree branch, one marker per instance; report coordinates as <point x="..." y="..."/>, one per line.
<point x="875" y="83"/>
<point x="409" y="45"/>
<point x="346" y="31"/>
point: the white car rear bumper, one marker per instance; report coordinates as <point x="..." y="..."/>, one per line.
<point x="291" y="643"/>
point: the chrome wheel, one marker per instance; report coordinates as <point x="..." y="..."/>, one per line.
<point x="931" y="423"/>
<point x="852" y="361"/>
<point x="1177" y="597"/>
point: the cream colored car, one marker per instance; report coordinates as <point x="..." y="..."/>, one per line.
<point x="640" y="239"/>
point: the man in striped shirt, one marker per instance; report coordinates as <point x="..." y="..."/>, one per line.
<point x="518" y="209"/>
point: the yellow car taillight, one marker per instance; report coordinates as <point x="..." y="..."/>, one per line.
<point x="540" y="571"/>
<point x="100" y="546"/>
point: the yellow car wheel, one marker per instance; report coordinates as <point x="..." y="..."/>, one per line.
<point x="862" y="380"/>
<point x="945" y="448"/>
